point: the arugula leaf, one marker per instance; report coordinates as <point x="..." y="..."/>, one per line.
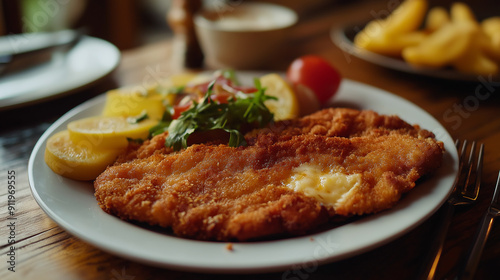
<point x="245" y="109"/>
<point x="162" y="126"/>
<point x="230" y="74"/>
<point x="161" y="89"/>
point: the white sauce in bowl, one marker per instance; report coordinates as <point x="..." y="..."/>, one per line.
<point x="249" y="17"/>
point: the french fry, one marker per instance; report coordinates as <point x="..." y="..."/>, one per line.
<point x="391" y="35"/>
<point x="480" y="56"/>
<point x="371" y="31"/>
<point x="390" y="45"/>
<point x="491" y="28"/>
<point x="442" y="47"/>
<point x="436" y="18"/>
<point x="407" y="17"/>
<point x="474" y="61"/>
<point x="453" y="39"/>
<point x="460" y="12"/>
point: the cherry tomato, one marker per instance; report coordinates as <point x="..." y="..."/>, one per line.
<point x="179" y="109"/>
<point x="220" y="98"/>
<point x="203" y="87"/>
<point x="245" y="89"/>
<point x="315" y="73"/>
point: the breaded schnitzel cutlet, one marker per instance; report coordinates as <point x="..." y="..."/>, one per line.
<point x="291" y="178"/>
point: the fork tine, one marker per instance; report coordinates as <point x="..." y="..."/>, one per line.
<point x="479" y="169"/>
<point x="474" y="176"/>
<point x="462" y="163"/>
<point x="461" y="153"/>
<point x="457" y="197"/>
<point x="461" y="149"/>
<point x="471" y="153"/>
<point x="469" y="169"/>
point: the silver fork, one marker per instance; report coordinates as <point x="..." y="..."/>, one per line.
<point x="465" y="192"/>
<point x="482" y="235"/>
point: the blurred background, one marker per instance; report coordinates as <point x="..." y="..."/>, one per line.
<point x="131" y="23"/>
<point x="125" y="23"/>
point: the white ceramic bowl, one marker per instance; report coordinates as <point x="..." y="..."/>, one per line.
<point x="243" y="36"/>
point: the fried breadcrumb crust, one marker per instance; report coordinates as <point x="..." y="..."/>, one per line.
<point x="216" y="192"/>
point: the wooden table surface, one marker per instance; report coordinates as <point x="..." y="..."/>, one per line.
<point x="467" y="110"/>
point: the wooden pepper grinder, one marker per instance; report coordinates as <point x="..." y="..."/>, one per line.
<point x="180" y="18"/>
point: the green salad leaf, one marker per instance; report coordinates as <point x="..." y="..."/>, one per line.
<point x="239" y="112"/>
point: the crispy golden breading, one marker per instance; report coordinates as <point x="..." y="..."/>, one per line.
<point x="216" y="192"/>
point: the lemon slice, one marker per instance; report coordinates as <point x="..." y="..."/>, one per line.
<point x="109" y="132"/>
<point x="132" y="101"/>
<point x="286" y="107"/>
<point x="77" y="160"/>
<point x="128" y="102"/>
<point x="185" y="78"/>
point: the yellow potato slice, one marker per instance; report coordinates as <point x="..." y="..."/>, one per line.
<point x="109" y="132"/>
<point x="77" y="160"/>
<point x="286" y="107"/>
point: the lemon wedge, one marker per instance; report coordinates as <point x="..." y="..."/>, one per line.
<point x="287" y="106"/>
<point x="77" y="160"/>
<point x="109" y="132"/>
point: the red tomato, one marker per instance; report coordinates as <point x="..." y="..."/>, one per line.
<point x="245" y="89"/>
<point x="220" y="98"/>
<point x="179" y="109"/>
<point x="315" y="73"/>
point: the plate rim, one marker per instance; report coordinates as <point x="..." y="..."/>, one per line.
<point x="221" y="268"/>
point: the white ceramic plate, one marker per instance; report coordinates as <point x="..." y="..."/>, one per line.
<point x="343" y="37"/>
<point x="72" y="205"/>
<point x="88" y="61"/>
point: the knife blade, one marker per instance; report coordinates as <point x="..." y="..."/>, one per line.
<point x="22" y="51"/>
<point x="474" y="255"/>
